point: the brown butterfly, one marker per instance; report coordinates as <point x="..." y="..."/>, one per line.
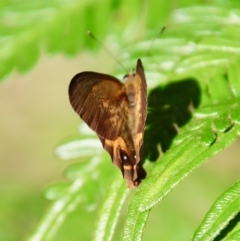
<point x="117" y="112"/>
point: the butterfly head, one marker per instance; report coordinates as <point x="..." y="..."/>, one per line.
<point x="131" y="74"/>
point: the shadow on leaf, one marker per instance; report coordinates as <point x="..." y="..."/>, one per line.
<point x="169" y="108"/>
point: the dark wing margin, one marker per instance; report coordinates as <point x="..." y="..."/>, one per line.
<point x="98" y="99"/>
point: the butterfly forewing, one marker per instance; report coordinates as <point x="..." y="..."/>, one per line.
<point x="99" y="100"/>
<point x="143" y="98"/>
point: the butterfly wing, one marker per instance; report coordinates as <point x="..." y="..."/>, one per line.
<point x="143" y="98"/>
<point x="117" y="113"/>
<point x="99" y="100"/>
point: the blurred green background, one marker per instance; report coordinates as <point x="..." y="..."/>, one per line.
<point x="36" y="116"/>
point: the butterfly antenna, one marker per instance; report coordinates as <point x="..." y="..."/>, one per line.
<point x="151" y="44"/>
<point x="92" y="36"/>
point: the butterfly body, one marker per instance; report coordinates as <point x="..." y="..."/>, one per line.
<point x="117" y="112"/>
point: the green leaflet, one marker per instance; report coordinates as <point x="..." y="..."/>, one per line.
<point x="109" y="212"/>
<point x="220" y="214"/>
